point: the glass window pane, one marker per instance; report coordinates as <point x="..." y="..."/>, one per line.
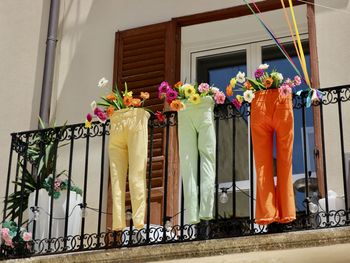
<point x="233" y="154"/>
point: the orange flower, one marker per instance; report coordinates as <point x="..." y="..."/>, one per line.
<point x="144" y="95"/>
<point x="178" y="84"/>
<point x="110" y="111"/>
<point x="247" y="85"/>
<point x="176" y="105"/>
<point x="268" y="82"/>
<point x="127" y="101"/>
<point x="229" y="91"/>
<point x="136" y="102"/>
<point x="111" y="97"/>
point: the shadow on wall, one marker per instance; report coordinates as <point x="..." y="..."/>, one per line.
<point x="39" y="67"/>
<point x="88" y="46"/>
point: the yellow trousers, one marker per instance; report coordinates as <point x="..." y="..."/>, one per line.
<point x="128" y="149"/>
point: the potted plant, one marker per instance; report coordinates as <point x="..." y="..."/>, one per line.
<point x="14" y="240"/>
<point x="128" y="141"/>
<point x="42" y="154"/>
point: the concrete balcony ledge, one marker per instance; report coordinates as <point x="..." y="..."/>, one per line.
<point x="217" y="247"/>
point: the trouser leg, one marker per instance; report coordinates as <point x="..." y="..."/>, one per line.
<point x="118" y="158"/>
<point x="262" y="136"/>
<point x="137" y="144"/>
<point x="284" y="139"/>
<point x="207" y="148"/>
<point x="188" y="165"/>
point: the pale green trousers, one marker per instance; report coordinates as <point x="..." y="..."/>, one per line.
<point x="197" y="135"/>
<point x="128" y="156"/>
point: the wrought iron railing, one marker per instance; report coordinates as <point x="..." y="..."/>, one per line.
<point x="80" y="154"/>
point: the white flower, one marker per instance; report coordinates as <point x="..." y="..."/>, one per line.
<point x="248" y="95"/>
<point x="93" y="105"/>
<point x="279" y="77"/>
<point x="240" y="77"/>
<point x="102" y="83"/>
<point x="214" y="90"/>
<point x="263" y="66"/>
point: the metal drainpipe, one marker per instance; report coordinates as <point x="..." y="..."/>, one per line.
<point x="49" y="66"/>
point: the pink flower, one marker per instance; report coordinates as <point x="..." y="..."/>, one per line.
<point x="6" y="236"/>
<point x="285" y="89"/>
<point x="57" y="184"/>
<point x="203" y="87"/>
<point x="259" y="73"/>
<point x="27" y="236"/>
<point x="100" y="114"/>
<point x="289" y="82"/>
<point x="236" y="103"/>
<point x="163" y="87"/>
<point x="102" y="117"/>
<point x="89" y="117"/>
<point x="171" y="95"/>
<point x="297" y="80"/>
<point x="5" y="231"/>
<point x="219" y="97"/>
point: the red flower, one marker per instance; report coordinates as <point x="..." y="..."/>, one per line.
<point x="160" y="116"/>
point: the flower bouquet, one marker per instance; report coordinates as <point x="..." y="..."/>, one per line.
<point x="113" y="101"/>
<point x="15" y="241"/>
<point x="263" y="80"/>
<point x="59" y="185"/>
<point x="181" y="93"/>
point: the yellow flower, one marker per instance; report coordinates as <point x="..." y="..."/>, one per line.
<point x="144" y="95"/>
<point x="87" y="124"/>
<point x="233" y="82"/>
<point x="136" y="102"/>
<point x="229" y="91"/>
<point x="195" y="99"/>
<point x="189" y="91"/>
<point x="127" y="94"/>
<point x="240" y="98"/>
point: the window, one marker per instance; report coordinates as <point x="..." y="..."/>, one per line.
<point x="217" y="67"/>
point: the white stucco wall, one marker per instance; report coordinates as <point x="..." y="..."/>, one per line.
<point x="333" y="38"/>
<point x="23" y="28"/>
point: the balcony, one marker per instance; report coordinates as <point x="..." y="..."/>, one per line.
<point x="79" y="221"/>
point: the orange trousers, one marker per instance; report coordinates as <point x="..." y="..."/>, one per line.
<point x="272" y="112"/>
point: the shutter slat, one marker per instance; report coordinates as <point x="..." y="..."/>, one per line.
<point x="136" y="71"/>
<point x="144" y="63"/>
<point x="129" y="40"/>
<point x="133" y="59"/>
<point x="144" y="76"/>
<point x="144" y="44"/>
<point x="137" y="52"/>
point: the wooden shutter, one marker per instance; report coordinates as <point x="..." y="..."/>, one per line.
<point x="144" y="57"/>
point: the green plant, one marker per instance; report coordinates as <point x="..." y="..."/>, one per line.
<point x="42" y="153"/>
